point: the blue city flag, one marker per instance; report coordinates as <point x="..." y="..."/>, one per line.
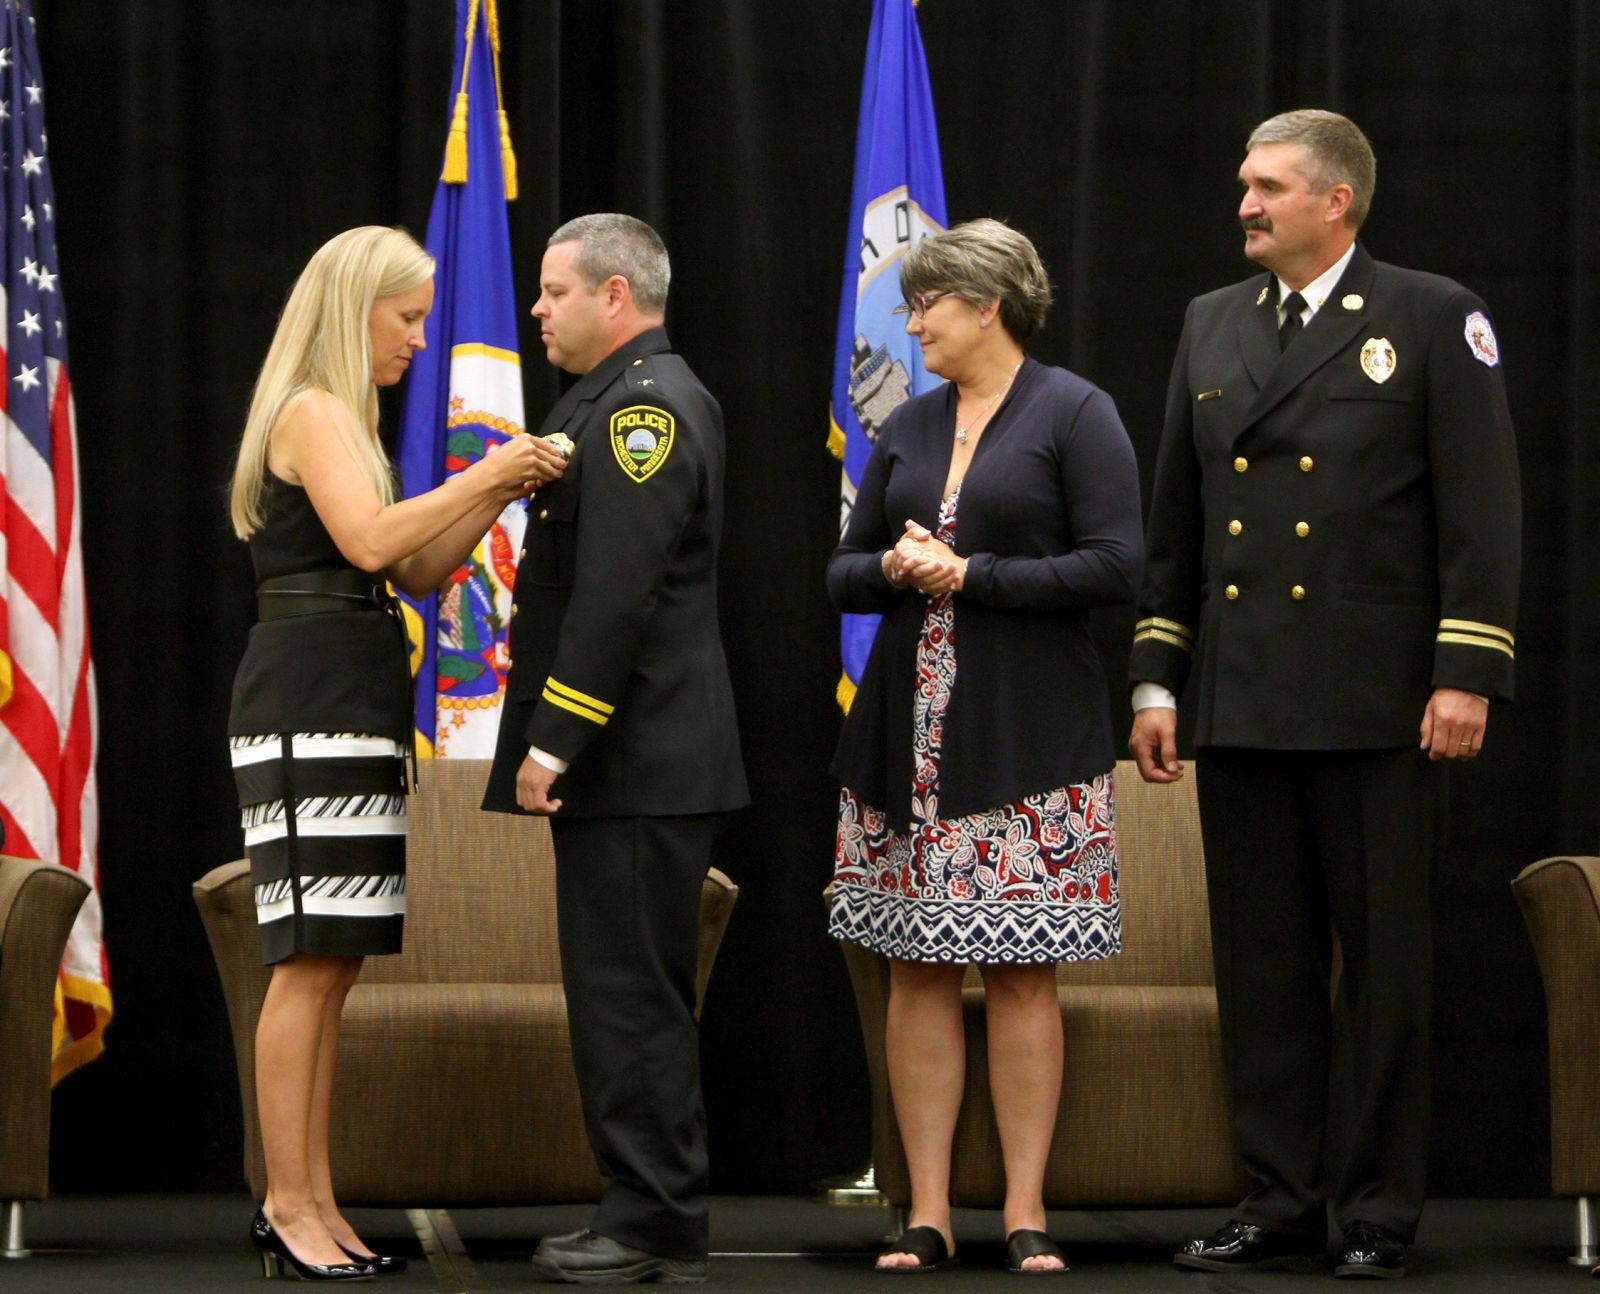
<point x="464" y="394"/>
<point x="896" y="199"/>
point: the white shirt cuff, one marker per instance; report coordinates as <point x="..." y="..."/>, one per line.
<point x="553" y="762"/>
<point x="1151" y="696"/>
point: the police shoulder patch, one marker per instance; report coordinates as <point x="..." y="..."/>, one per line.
<point x="1481" y="339"/>
<point x="642" y="435"/>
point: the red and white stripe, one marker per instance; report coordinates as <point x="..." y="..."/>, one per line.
<point x="48" y="728"/>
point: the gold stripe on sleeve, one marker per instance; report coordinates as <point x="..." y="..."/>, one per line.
<point x="1472" y="640"/>
<point x="1161" y="636"/>
<point x="583" y="712"/>
<point x="1171" y="626"/>
<point x="582" y="698"/>
<point x="1478" y="627"/>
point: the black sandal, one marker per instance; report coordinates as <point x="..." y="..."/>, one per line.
<point x="1023" y="1244"/>
<point x="926" y="1245"/>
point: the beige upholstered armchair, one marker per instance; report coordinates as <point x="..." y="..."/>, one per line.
<point x="38" y="904"/>
<point x="1144" y="1101"/>
<point x="455" y="1083"/>
<point x="1560" y="901"/>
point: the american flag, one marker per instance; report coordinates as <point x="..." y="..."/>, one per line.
<point x="48" y="729"/>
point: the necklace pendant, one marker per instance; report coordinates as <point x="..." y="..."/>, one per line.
<point x="961" y="435"/>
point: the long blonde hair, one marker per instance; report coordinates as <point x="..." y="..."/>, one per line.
<point x="322" y="343"/>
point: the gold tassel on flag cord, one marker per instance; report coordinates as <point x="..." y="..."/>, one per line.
<point x="455" y="144"/>
<point x="508" y="159"/>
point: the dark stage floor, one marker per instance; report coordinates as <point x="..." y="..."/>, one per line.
<point x="134" y="1244"/>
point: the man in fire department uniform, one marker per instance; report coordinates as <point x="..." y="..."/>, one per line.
<point x="1334" y="544"/>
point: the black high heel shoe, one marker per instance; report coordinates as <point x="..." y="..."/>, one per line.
<point x="382" y="1264"/>
<point x="277" y="1259"/>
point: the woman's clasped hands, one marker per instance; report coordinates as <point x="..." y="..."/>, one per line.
<point x="924" y="562"/>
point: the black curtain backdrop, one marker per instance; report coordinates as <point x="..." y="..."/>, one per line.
<point x="203" y="150"/>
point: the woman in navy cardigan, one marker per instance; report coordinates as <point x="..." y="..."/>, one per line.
<point x="976" y="818"/>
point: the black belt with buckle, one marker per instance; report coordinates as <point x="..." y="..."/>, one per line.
<point x="312" y="592"/>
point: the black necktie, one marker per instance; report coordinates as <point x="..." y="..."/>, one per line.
<point x="1290" y="328"/>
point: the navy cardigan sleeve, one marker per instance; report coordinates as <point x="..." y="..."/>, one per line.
<point x="856" y="582"/>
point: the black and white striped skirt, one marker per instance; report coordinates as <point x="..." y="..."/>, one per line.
<point x="324" y="816"/>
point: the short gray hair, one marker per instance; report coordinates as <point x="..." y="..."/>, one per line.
<point x="611" y="243"/>
<point x="981" y="261"/>
<point x="1335" y="152"/>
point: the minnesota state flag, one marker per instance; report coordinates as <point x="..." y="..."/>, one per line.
<point x="897" y="198"/>
<point x="463" y="395"/>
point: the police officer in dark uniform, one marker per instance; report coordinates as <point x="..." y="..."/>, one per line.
<point x="1334" y="544"/>
<point x="619" y="723"/>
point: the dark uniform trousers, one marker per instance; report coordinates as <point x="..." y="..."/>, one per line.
<point x="618" y="669"/>
<point x="1334" y="534"/>
<point x="628" y="908"/>
<point x="1302" y="847"/>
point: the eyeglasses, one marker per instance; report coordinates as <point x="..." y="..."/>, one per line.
<point x="919" y="305"/>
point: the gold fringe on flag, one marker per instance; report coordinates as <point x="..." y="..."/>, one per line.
<point x="455" y="144"/>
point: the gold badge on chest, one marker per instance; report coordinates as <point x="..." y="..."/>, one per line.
<point x="1377" y="359"/>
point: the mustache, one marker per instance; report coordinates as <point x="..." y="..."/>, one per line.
<point x="1256" y="222"/>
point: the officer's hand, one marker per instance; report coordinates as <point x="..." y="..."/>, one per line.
<point x="1453" y="724"/>
<point x="1154" y="744"/>
<point x="534" y="781"/>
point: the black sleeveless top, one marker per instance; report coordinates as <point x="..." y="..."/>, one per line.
<point x="292" y="537"/>
<point x="329" y="671"/>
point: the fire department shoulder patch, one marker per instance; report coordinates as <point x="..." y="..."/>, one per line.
<point x="1481" y="340"/>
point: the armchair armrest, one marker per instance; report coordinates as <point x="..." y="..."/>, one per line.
<point x="38" y="904"/>
<point x="718" y="894"/>
<point x="1560" y="901"/>
<point x="227" y="909"/>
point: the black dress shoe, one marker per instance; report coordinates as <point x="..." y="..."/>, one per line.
<point x="1370" y="1252"/>
<point x="587" y="1258"/>
<point x="381" y="1264"/>
<point x="1241" y="1246"/>
<point x="277" y="1259"/>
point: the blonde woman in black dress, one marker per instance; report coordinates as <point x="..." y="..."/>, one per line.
<point x="321" y="712"/>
